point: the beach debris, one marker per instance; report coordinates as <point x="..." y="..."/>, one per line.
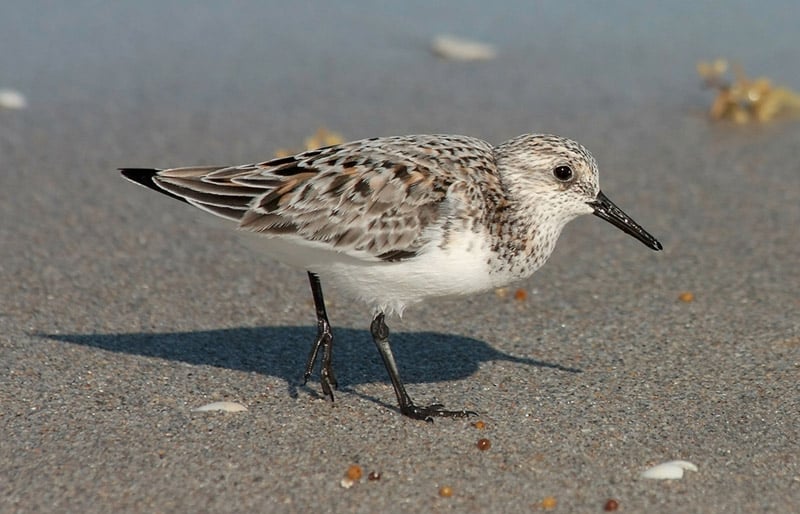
<point x="611" y="505"/>
<point x="221" y="406"/>
<point x="549" y="503"/>
<point x="322" y="137"/>
<point x="520" y="294"/>
<point x="460" y="49"/>
<point x="445" y="491"/>
<point x="374" y="475"/>
<point x="672" y="470"/>
<point x="351" y="476"/>
<point x="480" y="425"/>
<point x="12" y="99"/>
<point x="744" y="99"/>
<point x="686" y="297"/>
<point x="354" y="472"/>
<point x="484" y="444"/>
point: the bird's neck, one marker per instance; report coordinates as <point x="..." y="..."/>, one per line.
<point x="523" y="235"/>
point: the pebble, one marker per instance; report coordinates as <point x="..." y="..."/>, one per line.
<point x="549" y="503"/>
<point x="354" y="472"/>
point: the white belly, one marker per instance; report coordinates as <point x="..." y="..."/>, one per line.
<point x="389" y="287"/>
<point x="459" y="269"/>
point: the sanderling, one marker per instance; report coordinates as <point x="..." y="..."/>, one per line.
<point x="396" y="220"/>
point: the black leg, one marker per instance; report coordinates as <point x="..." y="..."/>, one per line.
<point x="324" y="340"/>
<point x="380" y="334"/>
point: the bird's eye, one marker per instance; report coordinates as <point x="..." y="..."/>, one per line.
<point x="563" y="173"/>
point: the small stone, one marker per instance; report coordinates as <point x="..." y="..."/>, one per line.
<point x="686" y="297"/>
<point x="549" y="502"/>
<point x="484" y="444"/>
<point x="354" y="472"/>
<point x="445" y="491"/>
<point x="611" y="505"/>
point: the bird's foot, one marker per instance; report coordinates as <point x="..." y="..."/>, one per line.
<point x="436" y="410"/>
<point x="327" y="379"/>
<point x="324" y="342"/>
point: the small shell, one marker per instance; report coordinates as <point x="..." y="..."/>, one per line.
<point x="12" y="99"/>
<point x="458" y="49"/>
<point x="223" y="406"/>
<point x="672" y="470"/>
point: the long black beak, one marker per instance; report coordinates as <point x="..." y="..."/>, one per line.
<point x="605" y="209"/>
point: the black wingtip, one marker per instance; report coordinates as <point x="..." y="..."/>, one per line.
<point x="144" y="177"/>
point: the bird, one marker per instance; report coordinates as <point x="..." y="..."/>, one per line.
<point x="392" y="221"/>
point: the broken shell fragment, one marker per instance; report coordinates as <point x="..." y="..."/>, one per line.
<point x="672" y="470"/>
<point x="459" y="49"/>
<point x="221" y="406"/>
<point x="12" y="99"/>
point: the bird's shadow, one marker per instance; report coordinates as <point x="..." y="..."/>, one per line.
<point x="282" y="352"/>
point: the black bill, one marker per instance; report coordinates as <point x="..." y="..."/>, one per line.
<point x="605" y="208"/>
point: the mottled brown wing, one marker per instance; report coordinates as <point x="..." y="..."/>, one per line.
<point x="373" y="197"/>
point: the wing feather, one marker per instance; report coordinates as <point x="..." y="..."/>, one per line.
<point x="372" y="199"/>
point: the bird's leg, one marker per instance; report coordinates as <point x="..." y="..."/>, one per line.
<point x="380" y="334"/>
<point x="324" y="340"/>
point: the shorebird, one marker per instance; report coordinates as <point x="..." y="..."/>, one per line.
<point x="396" y="220"/>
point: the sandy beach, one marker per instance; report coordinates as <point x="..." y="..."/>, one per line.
<point x="122" y="311"/>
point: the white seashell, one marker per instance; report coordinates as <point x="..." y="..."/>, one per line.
<point x="223" y="406"/>
<point x="672" y="470"/>
<point x="347" y="483"/>
<point x="458" y="49"/>
<point x="12" y="99"/>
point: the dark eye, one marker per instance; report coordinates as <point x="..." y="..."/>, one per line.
<point x="563" y="173"/>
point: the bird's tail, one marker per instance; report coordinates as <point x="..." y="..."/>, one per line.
<point x="197" y="186"/>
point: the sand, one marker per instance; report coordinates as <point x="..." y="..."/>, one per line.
<point x="121" y="311"/>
